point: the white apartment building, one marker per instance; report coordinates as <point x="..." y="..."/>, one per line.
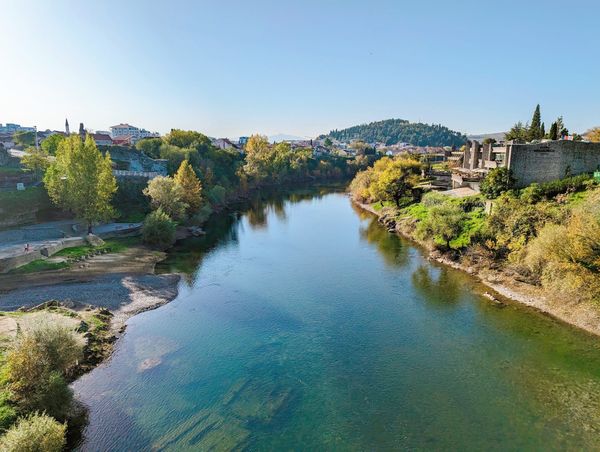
<point x="127" y="130"/>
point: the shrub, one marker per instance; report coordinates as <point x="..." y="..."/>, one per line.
<point x="566" y="185"/>
<point x="532" y="194"/>
<point x="158" y="229"/>
<point x="35" y="433"/>
<point x="37" y="363"/>
<point x="497" y="181"/>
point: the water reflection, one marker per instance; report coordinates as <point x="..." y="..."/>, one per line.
<point x="391" y="247"/>
<point x="223" y="230"/>
<point x="437" y="286"/>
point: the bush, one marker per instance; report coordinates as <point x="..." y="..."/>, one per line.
<point x="167" y="195"/>
<point x="37" y="363"/>
<point x="35" y="433"/>
<point x="532" y="194"/>
<point x="566" y="185"/>
<point x="497" y="181"/>
<point x="158" y="229"/>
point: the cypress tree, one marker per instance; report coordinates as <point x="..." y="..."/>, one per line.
<point x="543" y="131"/>
<point x="535" y="130"/>
<point x="553" y="134"/>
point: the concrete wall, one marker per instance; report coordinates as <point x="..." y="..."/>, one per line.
<point x="20" y="259"/>
<point x="545" y="162"/>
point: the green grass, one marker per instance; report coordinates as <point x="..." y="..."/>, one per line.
<point x="116" y="245"/>
<point x="40" y="265"/>
<point x="417" y="211"/>
<point x="16" y="202"/>
<point x="377" y="206"/>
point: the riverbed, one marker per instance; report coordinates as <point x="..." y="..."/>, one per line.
<point x="302" y="324"/>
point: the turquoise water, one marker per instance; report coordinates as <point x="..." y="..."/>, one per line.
<point x="303" y="325"/>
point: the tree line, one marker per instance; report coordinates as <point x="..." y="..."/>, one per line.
<point x="393" y="131"/>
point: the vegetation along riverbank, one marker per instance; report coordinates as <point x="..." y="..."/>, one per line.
<point x="69" y="307"/>
<point x="539" y="245"/>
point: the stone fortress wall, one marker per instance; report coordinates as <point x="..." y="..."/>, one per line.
<point x="551" y="160"/>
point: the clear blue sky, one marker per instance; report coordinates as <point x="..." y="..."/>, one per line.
<point x="230" y="68"/>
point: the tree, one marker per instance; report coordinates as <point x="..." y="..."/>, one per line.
<point x="444" y="222"/>
<point x="150" y="147"/>
<point x="518" y="132"/>
<point x="158" y="229"/>
<point x="497" y="181"/>
<point x="186" y="138"/>
<point x="165" y="194"/>
<point x="535" y="129"/>
<point x="24" y="139"/>
<point x="190" y="185"/>
<point x="327" y="142"/>
<point x="397" y="180"/>
<point x="593" y="135"/>
<point x="35" y="433"/>
<point x="257" y="156"/>
<point x="50" y="144"/>
<point x="36" y="160"/>
<point x="80" y="180"/>
<point x="553" y="134"/>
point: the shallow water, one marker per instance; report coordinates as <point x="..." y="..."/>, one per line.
<point x="303" y="325"/>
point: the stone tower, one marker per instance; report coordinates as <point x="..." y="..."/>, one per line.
<point x="67" y="131"/>
<point x="81" y="131"/>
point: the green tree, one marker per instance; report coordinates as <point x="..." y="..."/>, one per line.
<point x="35" y="433"/>
<point x="158" y="229"/>
<point x="497" y="181"/>
<point x="518" y="132"/>
<point x="553" y="134"/>
<point x="444" y="223"/>
<point x="80" y="180"/>
<point x="165" y="194"/>
<point x="24" y="139"/>
<point x="327" y="142"/>
<point x="190" y="185"/>
<point x="535" y="129"/>
<point x="50" y="144"/>
<point x="186" y="138"/>
<point x="36" y="160"/>
<point x="150" y="147"/>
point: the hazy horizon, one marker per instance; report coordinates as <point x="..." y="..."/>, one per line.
<point x="300" y="68"/>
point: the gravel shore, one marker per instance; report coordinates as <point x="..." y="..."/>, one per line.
<point x="123" y="294"/>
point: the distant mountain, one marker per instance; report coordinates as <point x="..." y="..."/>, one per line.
<point x="285" y="137"/>
<point x="392" y="131"/>
<point x="498" y="136"/>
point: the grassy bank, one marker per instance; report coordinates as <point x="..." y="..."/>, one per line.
<point x="78" y="253"/>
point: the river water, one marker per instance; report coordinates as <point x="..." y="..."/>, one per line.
<point x="302" y="324"/>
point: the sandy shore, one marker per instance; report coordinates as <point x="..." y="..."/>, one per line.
<point x="575" y="313"/>
<point x="124" y="283"/>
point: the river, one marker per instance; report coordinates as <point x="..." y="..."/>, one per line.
<point x="302" y="324"/>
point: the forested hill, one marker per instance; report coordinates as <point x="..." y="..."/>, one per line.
<point x="392" y="131"/>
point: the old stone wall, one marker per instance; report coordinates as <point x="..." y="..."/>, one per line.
<point x="548" y="161"/>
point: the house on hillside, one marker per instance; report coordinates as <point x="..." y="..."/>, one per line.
<point x="102" y="139"/>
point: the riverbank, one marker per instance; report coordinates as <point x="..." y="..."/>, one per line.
<point x="582" y="315"/>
